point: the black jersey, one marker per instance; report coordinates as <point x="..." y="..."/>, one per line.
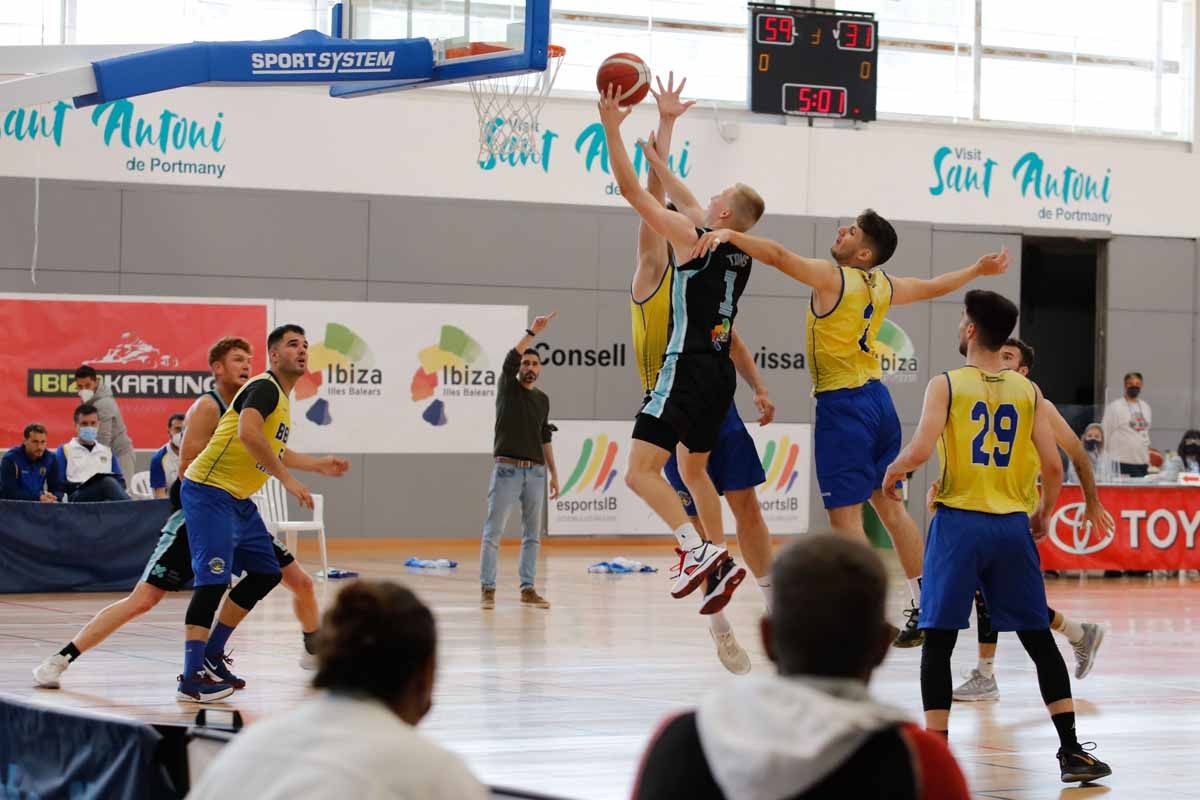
<point x="704" y="300"/>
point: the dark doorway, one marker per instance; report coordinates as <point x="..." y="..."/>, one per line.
<point x="1060" y="279"/>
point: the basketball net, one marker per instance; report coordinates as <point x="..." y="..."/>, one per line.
<point x="508" y="108"/>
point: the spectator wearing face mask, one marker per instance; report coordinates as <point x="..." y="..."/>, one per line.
<point x="87" y="470"/>
<point x="1093" y="444"/>
<point x="1186" y="457"/>
<point x="164" y="464"/>
<point x="97" y="392"/>
<point x="1127" y="429"/>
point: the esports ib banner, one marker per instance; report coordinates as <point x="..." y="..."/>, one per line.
<point x="152" y="353"/>
<point x="594" y="499"/>
<point x="400" y="377"/>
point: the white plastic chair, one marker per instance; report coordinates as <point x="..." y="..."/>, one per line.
<point x="272" y="505"/>
<point x="139" y="486"/>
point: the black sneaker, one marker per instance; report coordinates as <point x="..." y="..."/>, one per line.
<point x="1079" y="766"/>
<point x="719" y="586"/>
<point x="911" y="635"/>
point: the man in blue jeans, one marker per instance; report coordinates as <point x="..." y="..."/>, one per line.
<point x="522" y="454"/>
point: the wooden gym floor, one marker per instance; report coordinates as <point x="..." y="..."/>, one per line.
<point x="562" y="701"/>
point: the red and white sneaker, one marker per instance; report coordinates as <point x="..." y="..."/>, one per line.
<point x="719" y="586"/>
<point x="694" y="566"/>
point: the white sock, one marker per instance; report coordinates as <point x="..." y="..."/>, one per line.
<point x="1071" y="629"/>
<point x="985" y="667"/>
<point x="718" y="624"/>
<point x="914" y="588"/>
<point x="764" y="585"/>
<point x="687" y="536"/>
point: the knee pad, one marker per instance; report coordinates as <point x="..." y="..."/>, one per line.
<point x="252" y="588"/>
<point x="203" y="607"/>
<point x="983" y="620"/>
<point x="936" y="682"/>
<point x="1053" y="678"/>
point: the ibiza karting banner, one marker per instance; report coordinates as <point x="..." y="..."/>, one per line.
<point x="594" y="499"/>
<point x="1156" y="529"/>
<point x="400" y="377"/>
<point x="151" y="353"/>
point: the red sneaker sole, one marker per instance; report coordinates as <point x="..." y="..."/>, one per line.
<point x="718" y="601"/>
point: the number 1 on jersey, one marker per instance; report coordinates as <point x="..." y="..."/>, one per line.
<point x="726" y="309"/>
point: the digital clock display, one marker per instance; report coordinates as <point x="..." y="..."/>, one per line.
<point x="774" y="29"/>
<point x="812" y="62"/>
<point x="814" y="101"/>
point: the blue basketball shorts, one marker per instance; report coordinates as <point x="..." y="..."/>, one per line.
<point x="733" y="463"/>
<point x="226" y="535"/>
<point x="856" y="438"/>
<point x="966" y="550"/>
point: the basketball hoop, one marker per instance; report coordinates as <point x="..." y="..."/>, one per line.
<point x="508" y="108"/>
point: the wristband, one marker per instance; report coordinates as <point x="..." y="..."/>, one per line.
<point x="530" y="332"/>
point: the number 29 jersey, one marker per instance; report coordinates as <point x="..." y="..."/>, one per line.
<point x="841" y="342"/>
<point x="989" y="461"/>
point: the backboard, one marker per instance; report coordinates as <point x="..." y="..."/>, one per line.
<point x="472" y="39"/>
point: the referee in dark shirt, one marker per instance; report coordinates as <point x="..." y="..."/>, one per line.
<point x="522" y="455"/>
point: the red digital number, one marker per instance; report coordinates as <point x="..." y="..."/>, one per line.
<point x="851" y="30"/>
<point x="870" y="30"/>
<point x="824" y="101"/>
<point x="841" y="103"/>
<point x="785" y="28"/>
<point x="777" y="29"/>
<point x="806" y="102"/>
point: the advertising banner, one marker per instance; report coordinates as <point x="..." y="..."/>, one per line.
<point x="594" y="499"/>
<point x="400" y="377"/>
<point x="151" y="352"/>
<point x="1156" y="529"/>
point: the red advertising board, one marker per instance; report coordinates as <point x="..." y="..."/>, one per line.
<point x="1157" y="527"/>
<point x="154" y="355"/>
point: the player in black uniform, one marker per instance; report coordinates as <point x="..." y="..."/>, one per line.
<point x="695" y="386"/>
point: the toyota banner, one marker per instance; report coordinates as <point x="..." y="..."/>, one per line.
<point x="1156" y="529"/>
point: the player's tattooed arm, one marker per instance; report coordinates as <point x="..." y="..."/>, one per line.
<point x="914" y="290"/>
<point x="671" y="225"/>
<point x="920" y="449"/>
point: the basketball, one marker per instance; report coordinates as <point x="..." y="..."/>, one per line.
<point x="628" y="73"/>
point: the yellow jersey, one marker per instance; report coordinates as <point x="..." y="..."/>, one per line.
<point x="226" y="463"/>
<point x="841" y="342"/>
<point x="651" y="327"/>
<point x="989" y="461"/>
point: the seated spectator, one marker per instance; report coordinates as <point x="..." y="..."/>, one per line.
<point x="1186" y="457"/>
<point x="29" y="471"/>
<point x="164" y="464"/>
<point x="88" y="471"/>
<point x="358" y="738"/>
<point x="1093" y="443"/>
<point x="812" y="730"/>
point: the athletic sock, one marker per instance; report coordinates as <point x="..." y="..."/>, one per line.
<point x="687" y="537"/>
<point x="985" y="667"/>
<point x="1064" y="723"/>
<point x="310" y="643"/>
<point x="944" y="734"/>
<point x="70" y="651"/>
<point x="764" y="584"/>
<point x="216" y="641"/>
<point x="193" y="658"/>
<point x="1071" y="629"/>
<point x="718" y="624"/>
<point x="914" y="588"/>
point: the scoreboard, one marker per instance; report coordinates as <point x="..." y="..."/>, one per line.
<point x="812" y="62"/>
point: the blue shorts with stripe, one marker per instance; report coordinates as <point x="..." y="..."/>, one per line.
<point x="733" y="463"/>
<point x="856" y="438"/>
<point x="223" y="533"/>
<point x="966" y="550"/>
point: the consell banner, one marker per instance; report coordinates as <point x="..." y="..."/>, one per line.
<point x="594" y="500"/>
<point x="400" y="377"/>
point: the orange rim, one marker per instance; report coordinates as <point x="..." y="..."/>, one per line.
<point x="556" y="52"/>
<point x="483" y="48"/>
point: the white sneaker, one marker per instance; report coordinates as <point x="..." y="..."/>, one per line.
<point x="733" y="657"/>
<point x="1086" y="649"/>
<point x="49" y="671"/>
<point x="977" y="688"/>
<point x="694" y="565"/>
<point x="308" y="661"/>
